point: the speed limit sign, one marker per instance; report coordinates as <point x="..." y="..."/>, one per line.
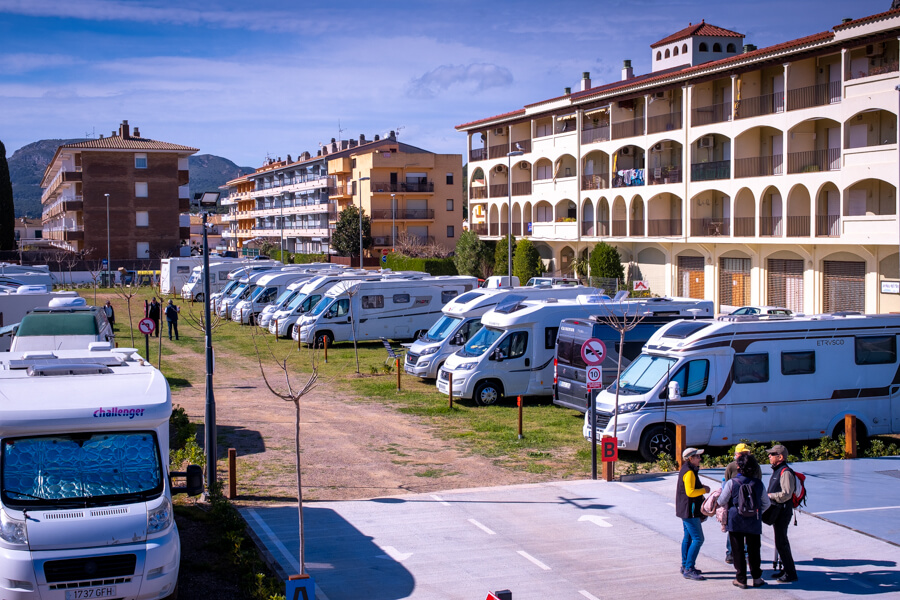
<point x="594" y="378"/>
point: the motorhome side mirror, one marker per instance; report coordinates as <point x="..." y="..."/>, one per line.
<point x="497" y="355"/>
<point x="193" y="478"/>
<point x="674" y="391"/>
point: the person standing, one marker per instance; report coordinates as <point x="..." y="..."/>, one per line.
<point x="781" y="492"/>
<point x="745" y="529"/>
<point x="153" y="314"/>
<point x="730" y="471"/>
<point x="172" y="319"/>
<point x="110" y="313"/>
<point x="688" y="500"/>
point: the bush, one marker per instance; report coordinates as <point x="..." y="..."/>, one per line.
<point x="526" y="262"/>
<point x="473" y="256"/>
<point x="606" y="262"/>
<point x="501" y="260"/>
<point x="432" y="266"/>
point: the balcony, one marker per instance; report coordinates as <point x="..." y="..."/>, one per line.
<point x="619" y="228"/>
<point x="498" y="229"/>
<point x="477" y="154"/>
<point x="637" y="227"/>
<point x="384" y="187"/>
<point x="629" y="178"/>
<point x="828" y="226"/>
<point x="521" y="188"/>
<point x="767" y="104"/>
<point x="478" y="193"/>
<point x="891" y="66"/>
<point x="758" y="166"/>
<point x="479" y="228"/>
<point x="595" y="182"/>
<point x="798" y="226"/>
<point x="770" y="226"/>
<point x="595" y="229"/>
<point x="814" y="161"/>
<point x="744" y="227"/>
<point x="664" y="227"/>
<point x="629" y="128"/>
<point x="555" y="231"/>
<point x="707" y="115"/>
<point x="665" y="174"/>
<point x="660" y="123"/>
<point x="517" y="229"/>
<point x="814" y="95"/>
<point x="499" y="190"/>
<point x="595" y="134"/>
<point x="403" y="214"/>
<point x="498" y="151"/>
<point x="522" y="145"/>
<point x="710" y="227"/>
<point x="711" y="170"/>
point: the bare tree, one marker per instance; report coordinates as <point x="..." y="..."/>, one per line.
<point x="127" y="293"/>
<point x="94" y="267"/>
<point x="623" y="324"/>
<point x="198" y="321"/>
<point x="70" y="259"/>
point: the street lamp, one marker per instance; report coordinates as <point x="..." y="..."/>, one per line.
<point x="393" y="224"/>
<point x="108" y="244"/>
<point x="282" y="229"/>
<point x="359" y="192"/>
<point x="208" y="199"/>
<point x="509" y="156"/>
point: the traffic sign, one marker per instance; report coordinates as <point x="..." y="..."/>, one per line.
<point x="146" y="326"/>
<point x="609" y="449"/>
<point x="593" y="351"/>
<point x="594" y="378"/>
<point x="384" y="258"/>
<point x="641" y="286"/>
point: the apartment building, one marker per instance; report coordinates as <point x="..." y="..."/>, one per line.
<point x="404" y="190"/>
<point x="146" y="182"/>
<point x="737" y="174"/>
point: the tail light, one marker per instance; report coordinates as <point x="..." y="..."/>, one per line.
<point x="555" y="373"/>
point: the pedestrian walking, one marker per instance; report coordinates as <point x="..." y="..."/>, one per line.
<point x="746" y="499"/>
<point x="110" y="313"/>
<point x="730" y="471"/>
<point x="172" y="319"/>
<point x="781" y="492"/>
<point x="153" y="314"/>
<point x="688" y="500"/>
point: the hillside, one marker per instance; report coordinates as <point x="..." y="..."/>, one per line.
<point x="27" y="165"/>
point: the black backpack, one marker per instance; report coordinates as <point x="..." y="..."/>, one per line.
<point x="746" y="503"/>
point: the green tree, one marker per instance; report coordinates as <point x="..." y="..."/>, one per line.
<point x="501" y="260"/>
<point x="527" y="261"/>
<point x="345" y="239"/>
<point x="7" y="207"/>
<point x="471" y="254"/>
<point x="606" y="262"/>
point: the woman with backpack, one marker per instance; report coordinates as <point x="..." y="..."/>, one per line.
<point x="746" y="499"/>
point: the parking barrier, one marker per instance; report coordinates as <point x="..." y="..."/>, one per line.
<point x="680" y="443"/>
<point x="849" y="436"/>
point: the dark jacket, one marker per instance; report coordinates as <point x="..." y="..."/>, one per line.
<point x="775" y="486"/>
<point x="732" y="469"/>
<point x="171" y="313"/>
<point x="739" y="523"/>
<point x="153" y="311"/>
<point x="687" y="507"/>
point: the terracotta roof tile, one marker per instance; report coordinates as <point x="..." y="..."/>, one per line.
<point x="701" y="28"/>
<point x="129" y="143"/>
<point x="521" y="111"/>
<point x="889" y="13"/>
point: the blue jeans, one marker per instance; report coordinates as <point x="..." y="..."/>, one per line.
<point x="690" y="545"/>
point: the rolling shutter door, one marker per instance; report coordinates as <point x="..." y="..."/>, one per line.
<point x="690" y="277"/>
<point x="785" y="284"/>
<point x="845" y="286"/>
<point x="734" y="281"/>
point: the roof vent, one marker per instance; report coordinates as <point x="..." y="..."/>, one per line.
<point x="749" y="48"/>
<point x="846" y="20"/>
<point x="66" y="369"/>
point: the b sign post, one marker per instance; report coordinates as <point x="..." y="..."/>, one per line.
<point x="593" y="351"/>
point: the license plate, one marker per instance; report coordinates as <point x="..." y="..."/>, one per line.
<point x="565" y="385"/>
<point x="107" y="591"/>
<point x="408" y="368"/>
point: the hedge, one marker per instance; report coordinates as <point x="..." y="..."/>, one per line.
<point x="432" y="266"/>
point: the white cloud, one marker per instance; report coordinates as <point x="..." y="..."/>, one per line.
<point x="17" y="64"/>
<point x="477" y="76"/>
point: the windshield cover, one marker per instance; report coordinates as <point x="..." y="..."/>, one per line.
<point x="444" y="327"/>
<point x="322" y="306"/>
<point x="87" y="467"/>
<point x="481" y="341"/>
<point x="643" y="374"/>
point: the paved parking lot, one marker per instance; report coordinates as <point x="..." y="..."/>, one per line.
<point x="583" y="539"/>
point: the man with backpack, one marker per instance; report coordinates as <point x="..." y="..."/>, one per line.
<point x="745" y="497"/>
<point x="781" y="490"/>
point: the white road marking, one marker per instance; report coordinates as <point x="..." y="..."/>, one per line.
<point x="534" y="560"/>
<point x="292" y="561"/>
<point x="672" y="504"/>
<point x="588" y="595"/>
<point x="849" y="510"/>
<point x="441" y="500"/>
<point x="481" y="527"/>
<point x="395" y="554"/>
<point x="628" y="487"/>
<point x="601" y="521"/>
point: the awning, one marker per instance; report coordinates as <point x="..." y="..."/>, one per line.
<point x="566" y="118"/>
<point x="596" y="111"/>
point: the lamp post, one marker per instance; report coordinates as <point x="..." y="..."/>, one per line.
<point x="393" y="224"/>
<point x="509" y="156"/>
<point x="208" y="198"/>
<point x="282" y="229"/>
<point x="108" y="244"/>
<point x="359" y="192"/>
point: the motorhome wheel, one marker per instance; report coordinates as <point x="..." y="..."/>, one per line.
<point x="862" y="434"/>
<point x="322" y="338"/>
<point x="487" y="393"/>
<point x="656" y="440"/>
<point x="198" y="297"/>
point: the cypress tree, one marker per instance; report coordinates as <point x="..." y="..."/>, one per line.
<point x="7" y="206"/>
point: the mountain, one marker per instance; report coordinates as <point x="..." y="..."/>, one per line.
<point x="27" y="165"/>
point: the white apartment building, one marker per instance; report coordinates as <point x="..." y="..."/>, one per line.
<point x="736" y="174"/>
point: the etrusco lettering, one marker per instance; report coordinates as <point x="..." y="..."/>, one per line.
<point x="131" y="413"/>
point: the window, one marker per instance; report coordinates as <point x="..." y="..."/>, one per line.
<point x="449" y="178"/>
<point x="658" y="55"/>
<point x="223" y="275"/>
<point x="352" y="163"/>
<point x="693" y="377"/>
<point x="450" y="231"/>
<point x="340" y="308"/>
<point x="140" y="161"/>
<point x="876" y="350"/>
<point x="675" y="51"/>
<point x="684" y="49"/>
<point x="182" y="269"/>
<point x="717" y="47"/>
<point x="373" y="301"/>
<point x="667" y="53"/>
<point x="550" y="337"/>
<point x="470" y="329"/>
<point x="449" y="204"/>
<point x="142" y="218"/>
<point x="143" y="249"/>
<point x="751" y="368"/>
<point x="401" y="298"/>
<point x="798" y="363"/>
<point x="514" y="345"/>
<point x="730" y="48"/>
<point x="140" y="189"/>
<point x="703" y="47"/>
<point x="448" y="295"/>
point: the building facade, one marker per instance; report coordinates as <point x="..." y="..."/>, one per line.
<point x="141" y="184"/>
<point x="741" y="175"/>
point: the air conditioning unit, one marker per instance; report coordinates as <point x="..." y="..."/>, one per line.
<point x="499" y="131"/>
<point x="381" y="241"/>
<point x="524" y="166"/>
<point x="625" y="151"/>
<point x="660" y="95"/>
<point x="498" y="169"/>
<point x="876" y="49"/>
<point x="705" y="141"/>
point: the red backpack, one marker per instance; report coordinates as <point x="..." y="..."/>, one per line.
<point x="799" y="498"/>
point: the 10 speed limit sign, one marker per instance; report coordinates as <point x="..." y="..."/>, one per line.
<point x="594" y="377"/>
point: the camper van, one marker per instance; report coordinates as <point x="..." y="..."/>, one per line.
<point x="462" y="319"/>
<point x="570" y="389"/>
<point x="756" y="378"/>
<point x="390" y="308"/>
<point x="85" y="496"/>
<point x="19" y="275"/>
<point x="17" y="302"/>
<point x="246" y="287"/>
<point x="268" y="289"/>
<point x="220" y="269"/>
<point x="67" y="323"/>
<point x="267" y="317"/>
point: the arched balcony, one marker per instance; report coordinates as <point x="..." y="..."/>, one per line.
<point x="664" y="215"/>
<point x="771" y="213"/>
<point x="619" y="218"/>
<point x="603" y="222"/>
<point x="499" y="182"/>
<point x="664" y="164"/>
<point x="565" y="166"/>
<point x="477" y="187"/>
<point x="711" y="156"/>
<point x="798" y="212"/>
<point x="814" y="146"/>
<point x="869" y="208"/>
<point x="828" y="211"/>
<point x="478" y="151"/>
<point x="588" y="220"/>
<point x="710" y="214"/>
<point x="595" y="169"/>
<point x="493" y="221"/>
<point x="744" y="221"/>
<point x="517" y="220"/>
<point x="543" y="170"/>
<point x="636" y="217"/>
<point x="870" y="128"/>
<point x="628" y="167"/>
<point x="595" y="126"/>
<point x="527" y="218"/>
<point x="521" y="178"/>
<point x="759" y="152"/>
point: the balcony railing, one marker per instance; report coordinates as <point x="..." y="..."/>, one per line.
<point x="814" y="95"/>
<point x="711" y="170"/>
<point x="629" y="128"/>
<point x="480" y="228"/>
<point x="664" y="227"/>
<point x="565" y="126"/>
<point x="814" y="161"/>
<point x="798" y="226"/>
<point x="595" y="134"/>
<point x="403" y="214"/>
<point x="665" y="174"/>
<point x="521" y="188"/>
<point x="637" y="227"/>
<point x="766" y="104"/>
<point x="600" y="229"/>
<point x="595" y="182"/>
<point x="619" y="227"/>
<point x="714" y="113"/>
<point x="629" y="178"/>
<point x="498" y="151"/>
<point x="744" y="227"/>
<point x="758" y="166"/>
<point x="499" y="190"/>
<point x="887" y="67"/>
<point x="660" y="123"/>
<point x="522" y="145"/>
<point x="478" y="193"/>
<point x="517" y="229"/>
<point x="770" y="226"/>
<point x="710" y="227"/>
<point x="502" y="228"/>
<point x="477" y="154"/>
<point x="828" y="225"/>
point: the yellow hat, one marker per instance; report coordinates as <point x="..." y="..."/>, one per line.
<point x="741" y="448"/>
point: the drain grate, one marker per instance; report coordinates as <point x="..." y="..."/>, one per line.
<point x="894" y="473"/>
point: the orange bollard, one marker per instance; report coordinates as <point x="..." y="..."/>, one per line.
<point x="398" y="374"/>
<point x="680" y="442"/>
<point x="849" y="436"/>
<point x="450" y="387"/>
<point x="232" y="473"/>
<point x="519" y="402"/>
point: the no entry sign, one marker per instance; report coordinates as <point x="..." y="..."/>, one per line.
<point x="593" y="351"/>
<point x="146" y="326"/>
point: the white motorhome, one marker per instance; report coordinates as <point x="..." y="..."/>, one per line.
<point x="512" y="354"/>
<point x="85" y="497"/>
<point x="192" y="288"/>
<point x="175" y="272"/>
<point x="246" y="287"/>
<point x="756" y="378"/>
<point x="15" y="303"/>
<point x="285" y="303"/>
<point x="391" y="308"/>
<point x="268" y="289"/>
<point x="66" y="324"/>
<point x="19" y="275"/>
<point x="462" y="319"/>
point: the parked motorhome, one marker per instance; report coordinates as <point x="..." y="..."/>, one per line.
<point x="756" y="378"/>
<point x="570" y="389"/>
<point x="27" y="275"/>
<point x="391" y="308"/>
<point x="66" y="324"/>
<point x="462" y="319"/>
<point x="15" y="303"/>
<point x="174" y="272"/>
<point x="246" y="287"/>
<point x="288" y="301"/>
<point x="500" y="281"/>
<point x="192" y="288"/>
<point x="85" y="496"/>
<point x="268" y="289"/>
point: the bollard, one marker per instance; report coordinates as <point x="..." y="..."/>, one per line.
<point x="680" y="443"/>
<point x="519" y="402"/>
<point x="242" y="316"/>
<point x="232" y="473"/>
<point x="276" y="330"/>
<point x="609" y="469"/>
<point x="325" y="345"/>
<point x="449" y="386"/>
<point x="849" y="436"/>
<point x="398" y="374"/>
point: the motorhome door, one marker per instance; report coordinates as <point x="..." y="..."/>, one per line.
<point x="513" y="360"/>
<point x="696" y="409"/>
<point x="337" y="318"/>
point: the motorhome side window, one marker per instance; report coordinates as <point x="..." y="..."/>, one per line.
<point x="423" y="300"/>
<point x="514" y="345"/>
<point x="341" y="307"/>
<point x="182" y="269"/>
<point x="693" y="377"/>
<point x="550" y="337"/>
<point x="448" y="295"/>
<point x="373" y="301"/>
<point x="751" y="368"/>
<point x="798" y="363"/>
<point x="401" y="298"/>
<point x="876" y="350"/>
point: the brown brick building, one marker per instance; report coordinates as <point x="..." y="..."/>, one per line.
<point x="147" y="184"/>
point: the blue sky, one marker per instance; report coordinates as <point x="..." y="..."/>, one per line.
<point x="247" y="79"/>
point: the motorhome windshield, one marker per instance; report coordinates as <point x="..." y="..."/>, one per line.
<point x="255" y="294"/>
<point x="285" y="297"/>
<point x="230" y="287"/>
<point x="247" y="291"/>
<point x="322" y="307"/>
<point x="62" y="323"/>
<point x="481" y="341"/>
<point x="643" y="374"/>
<point x="195" y="277"/>
<point x="238" y="290"/>
<point x="81" y="469"/>
<point x="444" y="327"/>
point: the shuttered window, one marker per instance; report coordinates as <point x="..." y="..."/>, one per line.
<point x="785" y="284"/>
<point x="845" y="286"/>
<point x="690" y="277"/>
<point x="734" y="281"/>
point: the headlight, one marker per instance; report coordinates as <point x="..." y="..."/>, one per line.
<point x="429" y="350"/>
<point x="630" y="407"/>
<point x="466" y="366"/>
<point x="160" y="518"/>
<point x="12" y="531"/>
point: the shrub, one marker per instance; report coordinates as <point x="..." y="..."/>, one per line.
<point x="432" y="266"/>
<point x="526" y="262"/>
